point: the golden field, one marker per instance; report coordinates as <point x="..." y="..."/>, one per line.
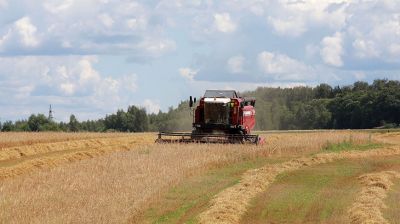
<point x="115" y="178"/>
<point x="34" y="151"/>
<point x="10" y="139"/>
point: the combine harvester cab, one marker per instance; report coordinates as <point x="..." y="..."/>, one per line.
<point x="221" y="117"/>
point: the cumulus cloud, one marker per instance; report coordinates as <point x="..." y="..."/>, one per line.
<point x="375" y="30"/>
<point x="334" y="36"/>
<point x="151" y="106"/>
<point x="87" y="73"/>
<point x="68" y="88"/>
<point x="332" y="50"/>
<point x="282" y="67"/>
<point x="156" y="47"/>
<point x="106" y="20"/>
<point x="365" y="48"/>
<point x="290" y="27"/>
<point x="129" y="82"/>
<point x="136" y="23"/>
<point x="293" y="18"/>
<point x="4" y="39"/>
<point x="78" y="77"/>
<point x="235" y="64"/>
<point x="86" y="28"/>
<point x="224" y="23"/>
<point x="57" y="6"/>
<point x="70" y="81"/>
<point x="27" y="32"/>
<point x="188" y="73"/>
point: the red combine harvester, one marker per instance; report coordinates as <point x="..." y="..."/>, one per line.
<point x="221" y="117"/>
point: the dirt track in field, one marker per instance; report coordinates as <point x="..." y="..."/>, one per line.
<point x="23" y="159"/>
<point x="230" y="205"/>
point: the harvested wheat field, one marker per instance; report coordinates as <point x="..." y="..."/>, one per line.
<point x="34" y="151"/>
<point x="126" y="178"/>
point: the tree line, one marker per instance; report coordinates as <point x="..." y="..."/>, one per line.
<point x="360" y="105"/>
<point x="356" y="106"/>
<point x="134" y="119"/>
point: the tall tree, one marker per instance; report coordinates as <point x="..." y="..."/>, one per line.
<point x="73" y="124"/>
<point x="323" y="91"/>
<point x="36" y="122"/>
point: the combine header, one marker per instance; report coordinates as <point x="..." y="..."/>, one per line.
<point x="221" y="117"/>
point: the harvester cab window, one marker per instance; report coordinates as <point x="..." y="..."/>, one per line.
<point x="216" y="113"/>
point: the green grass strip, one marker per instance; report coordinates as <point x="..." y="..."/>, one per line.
<point x="185" y="201"/>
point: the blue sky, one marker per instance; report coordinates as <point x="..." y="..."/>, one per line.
<point x="91" y="57"/>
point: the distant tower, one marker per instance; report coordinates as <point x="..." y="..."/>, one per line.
<point x="50" y="113"/>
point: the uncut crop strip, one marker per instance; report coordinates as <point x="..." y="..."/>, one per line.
<point x="13" y="139"/>
<point x="19" y="160"/>
<point x="229" y="205"/>
<point x="13" y="153"/>
<point x="369" y="204"/>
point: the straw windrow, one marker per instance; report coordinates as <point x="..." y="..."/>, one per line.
<point x="231" y="204"/>
<point x="369" y="203"/>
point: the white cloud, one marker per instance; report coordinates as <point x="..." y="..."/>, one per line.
<point x="365" y="48"/>
<point x="332" y="50"/>
<point x="77" y="76"/>
<point x="394" y="49"/>
<point x="66" y="44"/>
<point x="87" y="73"/>
<point x="256" y="8"/>
<point x="70" y="82"/>
<point x="58" y="5"/>
<point x="4" y="39"/>
<point x="68" y="88"/>
<point x="151" y="106"/>
<point x="235" y="64"/>
<point x="136" y="23"/>
<point x="375" y="30"/>
<point x="288" y="26"/>
<point x="188" y="73"/>
<point x="129" y="82"/>
<point x="61" y="70"/>
<point x="327" y="33"/>
<point x="224" y="23"/>
<point x="108" y="87"/>
<point x="294" y="18"/>
<point x="156" y="47"/>
<point x="282" y="67"/>
<point x="178" y="6"/>
<point x="88" y="27"/>
<point x="27" y="32"/>
<point x="106" y="20"/>
<point x="3" y="3"/>
<point x="360" y="75"/>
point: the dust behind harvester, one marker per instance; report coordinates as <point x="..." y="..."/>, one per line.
<point x="221" y="116"/>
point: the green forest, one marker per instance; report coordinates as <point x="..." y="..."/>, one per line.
<point x="357" y="106"/>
